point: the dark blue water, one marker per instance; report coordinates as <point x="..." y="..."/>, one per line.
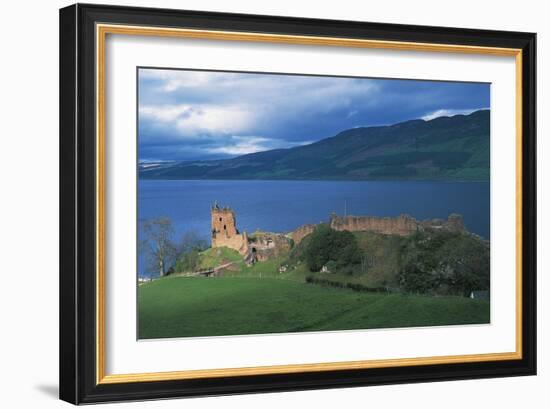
<point x="282" y="206"/>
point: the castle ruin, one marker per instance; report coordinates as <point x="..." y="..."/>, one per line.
<point x="258" y="247"/>
<point x="224" y="230"/>
<point x="264" y="245"/>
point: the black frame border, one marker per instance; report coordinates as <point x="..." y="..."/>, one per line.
<point x="78" y="210"/>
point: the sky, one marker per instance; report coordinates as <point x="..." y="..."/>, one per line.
<point x="203" y="115"/>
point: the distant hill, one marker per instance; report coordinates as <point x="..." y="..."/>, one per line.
<point x="445" y="148"/>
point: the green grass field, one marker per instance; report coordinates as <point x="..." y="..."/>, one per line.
<point x="190" y="307"/>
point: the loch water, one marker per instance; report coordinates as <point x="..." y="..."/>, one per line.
<point x="282" y="206"/>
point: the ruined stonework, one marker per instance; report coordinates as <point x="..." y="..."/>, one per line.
<point x="455" y="222"/>
<point x="266" y="245"/>
<point x="262" y="246"/>
<point x="301" y="232"/>
<point x="402" y="225"/>
<point x="224" y="230"/>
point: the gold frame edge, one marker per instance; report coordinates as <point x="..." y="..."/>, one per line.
<point x="101" y="32"/>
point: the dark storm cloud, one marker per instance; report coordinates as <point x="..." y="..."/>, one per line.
<point x="193" y="115"/>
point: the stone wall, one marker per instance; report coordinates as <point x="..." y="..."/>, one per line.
<point x="402" y="225"/>
<point x="301" y="232"/>
<point x="238" y="242"/>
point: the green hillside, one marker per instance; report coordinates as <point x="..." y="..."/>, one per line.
<point x="435" y="262"/>
<point x="445" y="148"/>
<point x="430" y="263"/>
<point x="185" y="307"/>
<point x="420" y="280"/>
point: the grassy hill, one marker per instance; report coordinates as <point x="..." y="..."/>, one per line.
<point x="211" y="258"/>
<point x="445" y="148"/>
<point x="185" y="307"/>
<point x="262" y="298"/>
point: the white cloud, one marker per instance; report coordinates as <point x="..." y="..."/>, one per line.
<point x="352" y="113"/>
<point x="197" y="120"/>
<point x="242" y="145"/>
<point x="301" y="143"/>
<point x="325" y="93"/>
<point x="173" y="80"/>
<point x="447" y="112"/>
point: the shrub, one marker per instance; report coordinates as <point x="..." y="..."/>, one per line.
<point x="339" y="284"/>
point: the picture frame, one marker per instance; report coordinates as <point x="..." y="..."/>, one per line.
<point x="83" y="191"/>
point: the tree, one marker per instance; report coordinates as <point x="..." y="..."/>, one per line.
<point x="339" y="248"/>
<point x="444" y="263"/>
<point x="191" y="241"/>
<point x="158" y="243"/>
<point x="188" y="249"/>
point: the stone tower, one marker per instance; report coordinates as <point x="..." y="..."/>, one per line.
<point x="224" y="230"/>
<point x="223" y="222"/>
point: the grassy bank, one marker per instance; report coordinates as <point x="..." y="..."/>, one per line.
<point x="185" y="307"/>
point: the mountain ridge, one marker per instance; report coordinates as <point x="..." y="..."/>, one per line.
<point x="444" y="148"/>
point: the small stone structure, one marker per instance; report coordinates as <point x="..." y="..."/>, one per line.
<point x="266" y="245"/>
<point x="224" y="230"/>
<point x="454" y="222"/>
